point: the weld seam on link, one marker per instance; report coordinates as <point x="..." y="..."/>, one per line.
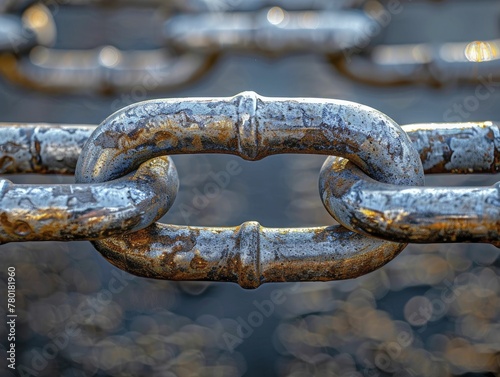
<point x="367" y="137"/>
<point x="249" y="254"/>
<point x="443" y="147"/>
<point x="247" y="127"/>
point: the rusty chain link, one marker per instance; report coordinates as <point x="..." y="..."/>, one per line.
<point x="74" y="211"/>
<point x="423" y="215"/>
<point x="196" y="32"/>
<point x="362" y="188"/>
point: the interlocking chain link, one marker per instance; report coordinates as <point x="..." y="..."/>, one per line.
<point x="74" y="211"/>
<point x="420" y="214"/>
<point x="252" y="127"/>
<point x="376" y="191"/>
<point x="195" y="33"/>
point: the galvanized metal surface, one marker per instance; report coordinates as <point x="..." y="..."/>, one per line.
<point x="65" y="212"/>
<point x="423" y="215"/>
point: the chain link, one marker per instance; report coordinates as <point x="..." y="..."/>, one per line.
<point x="252" y="127"/>
<point x="198" y="31"/>
<point x="65" y="212"/>
<point x="85" y="212"/>
<point x="272" y="31"/>
<point x="422" y="214"/>
<point x="365" y="195"/>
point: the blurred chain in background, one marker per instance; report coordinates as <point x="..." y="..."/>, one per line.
<point x="433" y="311"/>
<point x="185" y="38"/>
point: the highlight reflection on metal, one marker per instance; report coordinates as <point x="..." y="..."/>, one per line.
<point x="482" y="51"/>
<point x="65" y="212"/>
<point x="402" y="64"/>
<point x="416" y="214"/>
<point x="252" y="127"/>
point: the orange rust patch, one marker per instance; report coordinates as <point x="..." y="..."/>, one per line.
<point x="18" y="227"/>
<point x="198" y="263"/>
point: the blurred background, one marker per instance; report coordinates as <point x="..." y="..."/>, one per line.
<point x="433" y="311"/>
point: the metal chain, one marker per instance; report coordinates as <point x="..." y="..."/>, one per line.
<point x="197" y="31"/>
<point x="74" y="211"/>
<point x="421" y="214"/>
<point x="103" y="69"/>
<point x="378" y="193"/>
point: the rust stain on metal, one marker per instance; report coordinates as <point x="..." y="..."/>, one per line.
<point x="17" y="228"/>
<point x="253" y="127"/>
<point x="249" y="258"/>
<point x="76" y="211"/>
<point x="410" y="214"/>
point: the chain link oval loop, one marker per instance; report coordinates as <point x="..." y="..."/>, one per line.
<point x="65" y="212"/>
<point x="252" y="127"/>
<point x="433" y="60"/>
<point x="423" y="214"/>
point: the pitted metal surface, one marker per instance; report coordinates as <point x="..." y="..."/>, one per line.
<point x="249" y="255"/>
<point x="430" y="214"/>
<point x="412" y="214"/>
<point x="457" y="147"/>
<point x="65" y="212"/>
<point x="41" y="148"/>
<point x="252" y="127"/>
<point x="443" y="147"/>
